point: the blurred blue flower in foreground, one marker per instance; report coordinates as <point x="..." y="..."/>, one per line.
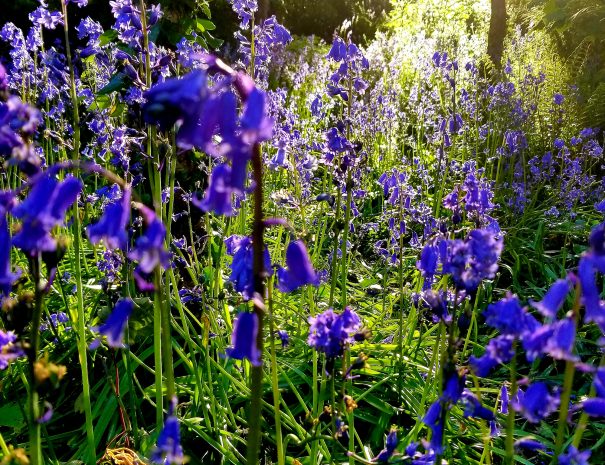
<point x="43" y="209"/>
<point x="9" y="350"/>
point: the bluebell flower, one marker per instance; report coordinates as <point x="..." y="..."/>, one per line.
<point x="330" y="332"/>
<point x="243" y="339"/>
<point x="595" y="406"/>
<point x="44" y="208"/>
<point x="219" y="195"/>
<point x="554" y="298"/>
<point x="428" y="261"/>
<point x="508" y="317"/>
<point x="498" y="350"/>
<point x="299" y="269"/>
<point x="558" y="99"/>
<point x="338" y="51"/>
<point x="115" y="325"/>
<point x="574" y="457"/>
<point x="389" y="447"/>
<point x="474" y="259"/>
<point x="284" y="337"/>
<point x="149" y="248"/>
<point x="473" y="407"/>
<point x="242" y="275"/>
<point x="435" y="420"/>
<point x="7" y="277"/>
<point x="245" y="10"/>
<point x="529" y="443"/>
<point x="168" y="449"/>
<point x="177" y="100"/>
<point x="536" y="403"/>
<point x="111" y="227"/>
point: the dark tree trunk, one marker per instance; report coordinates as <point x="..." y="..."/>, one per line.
<point x="497" y="32"/>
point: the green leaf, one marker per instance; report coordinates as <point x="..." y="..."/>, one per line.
<point x="10" y="416"/>
<point x="108" y="36"/>
<point x="117" y="82"/>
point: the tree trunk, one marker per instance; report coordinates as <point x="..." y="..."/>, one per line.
<point x="497" y="32"/>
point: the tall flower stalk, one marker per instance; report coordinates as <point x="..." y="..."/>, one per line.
<point x="77" y="234"/>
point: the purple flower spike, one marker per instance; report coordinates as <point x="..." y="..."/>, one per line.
<point x="299" y="271"/>
<point x="330" y="332"/>
<point x="243" y="339"/>
<point x="553" y="299"/>
<point x="115" y="325"/>
<point x="111" y="227"/>
<point x="168" y="449"/>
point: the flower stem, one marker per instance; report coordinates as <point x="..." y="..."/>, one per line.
<point x="510" y="421"/>
<point x="35" y="446"/>
<point x="281" y="458"/>
<point x="254" y="417"/>
<point x="80" y="323"/>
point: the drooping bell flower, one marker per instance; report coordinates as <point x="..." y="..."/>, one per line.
<point x="7" y="277"/>
<point x="389" y="447"/>
<point x="243" y="339"/>
<point x="44" y="208"/>
<point x="168" y="449"/>
<point x="111" y="227"/>
<point x="529" y="443"/>
<point x="242" y="273"/>
<point x="219" y="195"/>
<point x="595" y="406"/>
<point x="498" y="350"/>
<point x="177" y="100"/>
<point x="115" y="325"/>
<point x="574" y="457"/>
<point x="299" y="269"/>
<point x="553" y="299"/>
<point x="338" y="51"/>
<point x="284" y="338"/>
<point x="509" y="317"/>
<point x="473" y="407"/>
<point x="536" y="403"/>
<point x="149" y="249"/>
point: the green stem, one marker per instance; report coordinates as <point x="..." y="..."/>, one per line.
<point x="81" y="323"/>
<point x="281" y="458"/>
<point x="254" y="420"/>
<point x="510" y="421"/>
<point x="35" y="445"/>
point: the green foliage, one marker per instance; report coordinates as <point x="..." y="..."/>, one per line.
<point x="578" y="30"/>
